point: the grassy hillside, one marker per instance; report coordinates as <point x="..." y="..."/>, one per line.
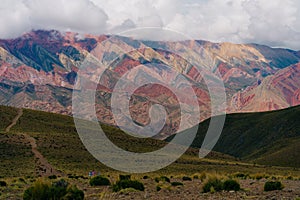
<point x="58" y="142"/>
<point x="6" y="116"/>
<point x="269" y="138"/>
<point x="55" y="138"/>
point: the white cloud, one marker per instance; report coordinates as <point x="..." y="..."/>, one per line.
<point x="77" y="15"/>
<point x="14" y="18"/>
<point x="275" y="23"/>
<point x="19" y="16"/>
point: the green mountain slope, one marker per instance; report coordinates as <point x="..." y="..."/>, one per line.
<point x="57" y="140"/>
<point x="271" y="138"/>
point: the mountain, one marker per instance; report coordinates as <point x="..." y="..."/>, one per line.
<point x="268" y="138"/>
<point x="38" y="70"/>
<point x="276" y="91"/>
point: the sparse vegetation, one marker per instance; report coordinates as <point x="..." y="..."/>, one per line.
<point x="158" y="188"/>
<point x="7" y="115"/>
<point x="52" y="177"/>
<point x="73" y="193"/>
<point x="99" y="181"/>
<point x="126" y="182"/>
<point x="3" y="184"/>
<point x="22" y="180"/>
<point x="241" y="175"/>
<point x="127" y="191"/>
<point x="57" y="190"/>
<point x="203" y="176"/>
<point x="273" y="185"/>
<point x="258" y="176"/>
<point x="214" y="184"/>
<point x="124" y="177"/>
<point x="195" y="177"/>
<point x="230" y="184"/>
<point x="176" y="183"/>
<point x="163" y="179"/>
<point x="39" y="190"/>
<point x="145" y="177"/>
<point x="186" y="178"/>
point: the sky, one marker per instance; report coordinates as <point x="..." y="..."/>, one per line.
<point x="271" y="22"/>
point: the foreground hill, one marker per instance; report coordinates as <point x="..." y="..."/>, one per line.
<point x="268" y="138"/>
<point x="56" y="140"/>
<point x="35" y="143"/>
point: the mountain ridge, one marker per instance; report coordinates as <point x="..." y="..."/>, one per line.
<point x="38" y="71"/>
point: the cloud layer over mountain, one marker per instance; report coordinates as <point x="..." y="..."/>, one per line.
<point x="274" y="23"/>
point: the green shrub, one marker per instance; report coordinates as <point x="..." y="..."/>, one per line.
<point x="124" y="177"/>
<point x="57" y="190"/>
<point x="77" y="176"/>
<point x="28" y="194"/>
<point x="22" y="180"/>
<point x="186" y="178"/>
<point x="73" y="193"/>
<point x="39" y="190"/>
<point x="123" y="184"/>
<point x="3" y="184"/>
<point x="273" y="185"/>
<point x="158" y="188"/>
<point x="229" y="185"/>
<point x="213" y="184"/>
<point x="52" y="177"/>
<point x="176" y="183"/>
<point x="163" y="179"/>
<point x="99" y="181"/>
<point x="241" y="175"/>
<point x="70" y="176"/>
<point x="145" y="177"/>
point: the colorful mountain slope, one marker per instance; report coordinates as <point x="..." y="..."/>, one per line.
<point x="38" y="71"/>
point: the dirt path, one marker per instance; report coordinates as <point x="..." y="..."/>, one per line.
<point x="15" y="120"/>
<point x="43" y="167"/>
